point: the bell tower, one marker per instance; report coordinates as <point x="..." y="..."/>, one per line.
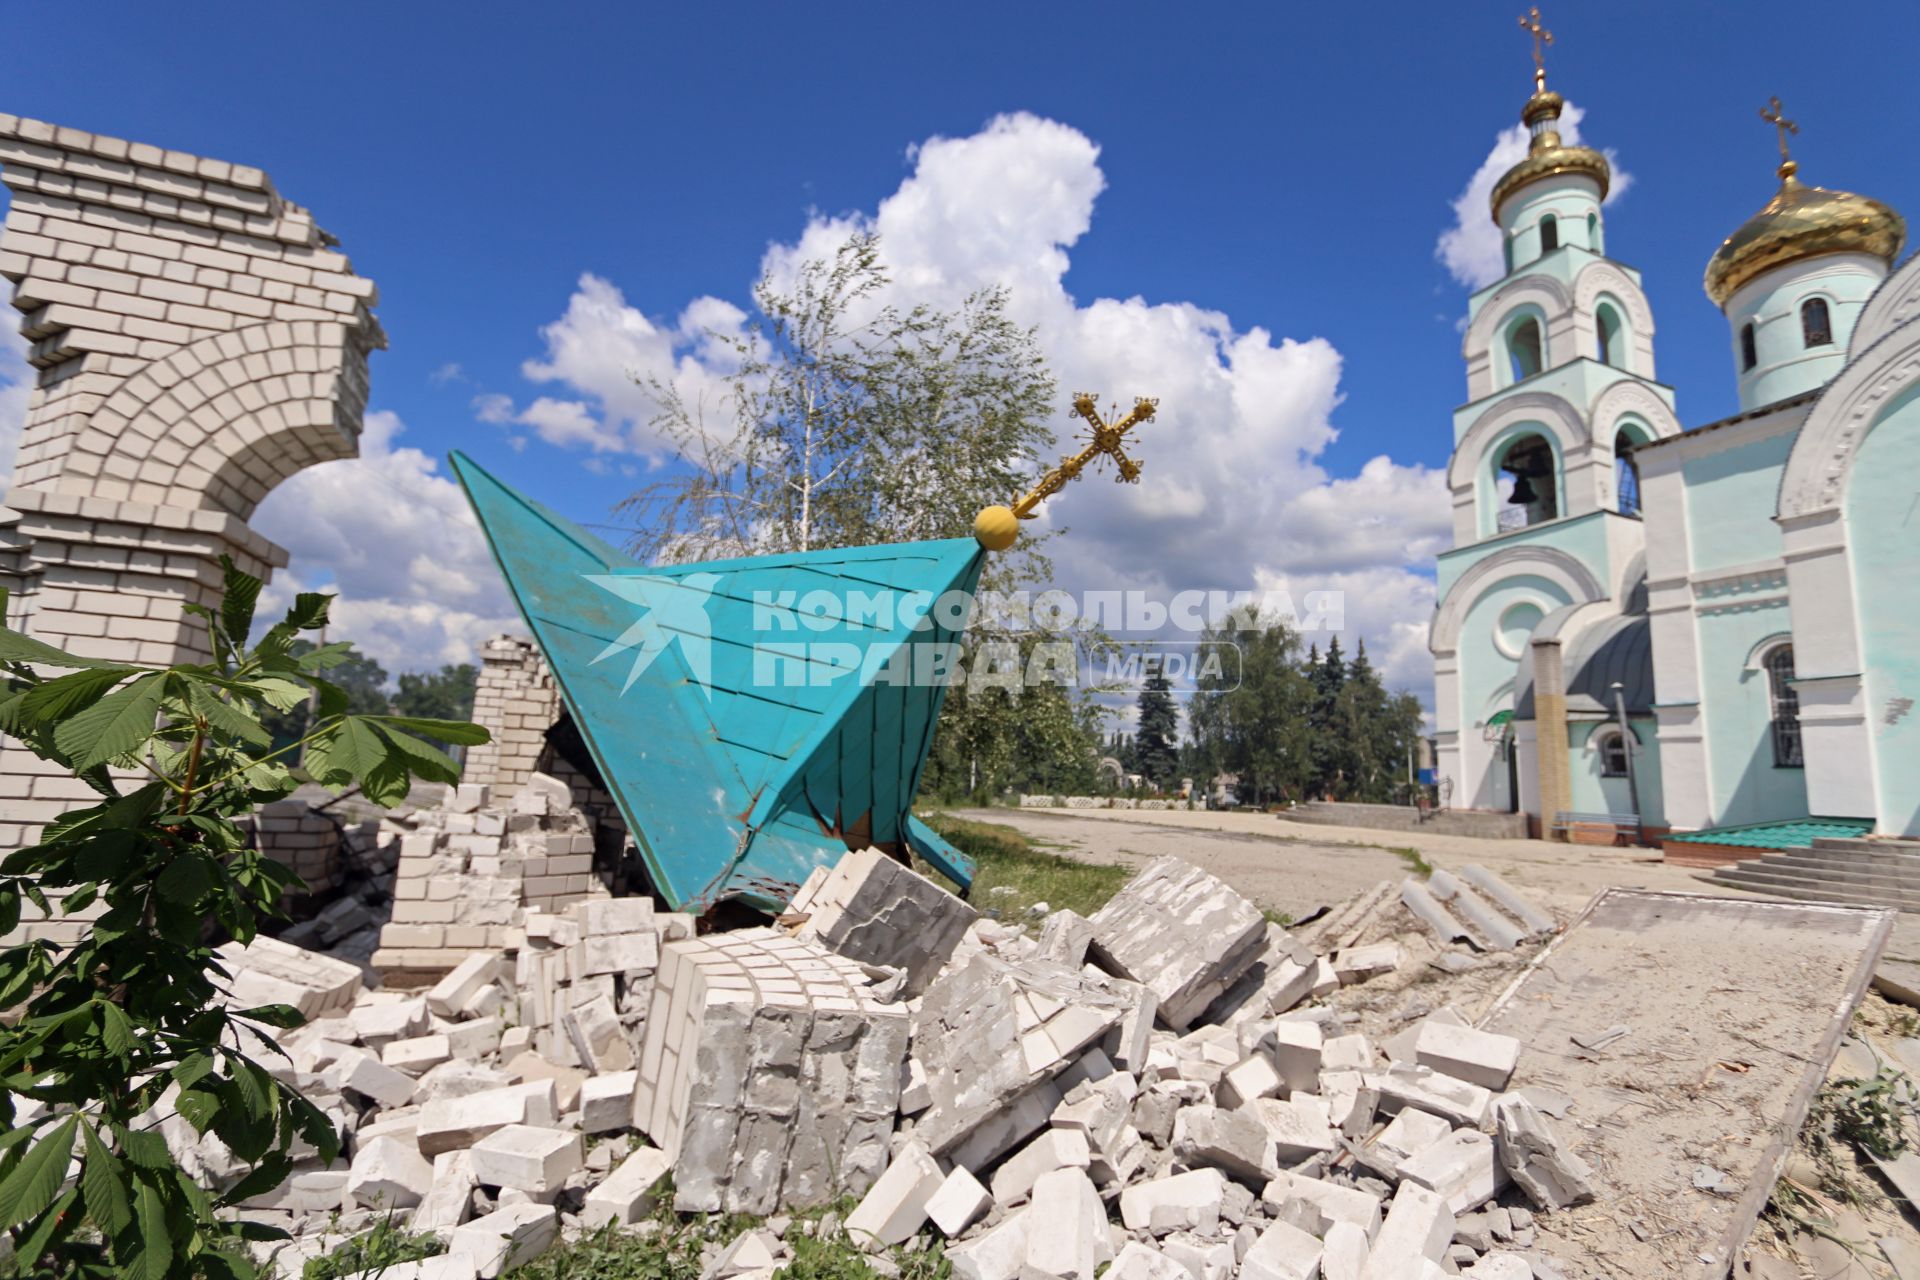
<point x="1560" y="387"/>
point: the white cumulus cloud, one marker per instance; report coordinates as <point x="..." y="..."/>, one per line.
<point x="1234" y="493"/>
<point x="1470" y="249"/>
<point x="394" y="537"/>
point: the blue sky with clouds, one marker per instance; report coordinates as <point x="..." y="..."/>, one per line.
<point x="1240" y="208"/>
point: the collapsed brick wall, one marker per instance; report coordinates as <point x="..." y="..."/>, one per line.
<point x="197" y="339"/>
<point x="516" y="701"/>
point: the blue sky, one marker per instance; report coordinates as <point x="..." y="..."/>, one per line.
<point x="1253" y="239"/>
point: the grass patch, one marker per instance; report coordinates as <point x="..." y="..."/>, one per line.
<point x="387" y="1245"/>
<point x="670" y="1247"/>
<point x="1007" y="860"/>
<point x="1412" y="857"/>
<point x="1274" y="916"/>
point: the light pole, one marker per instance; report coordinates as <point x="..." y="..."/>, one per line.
<point x="1627" y="745"/>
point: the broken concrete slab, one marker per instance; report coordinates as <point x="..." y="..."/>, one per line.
<point x="1546" y="1169"/>
<point x="872" y="909"/>
<point x="997" y="1254"/>
<point x="770" y="1072"/>
<point x="267" y="971"/>
<point x="1781" y="1017"/>
<point x="1281" y="976"/>
<point x="988" y="1031"/>
<point x="1236" y="1142"/>
<point x="1181" y="932"/>
<point x="453" y="1124"/>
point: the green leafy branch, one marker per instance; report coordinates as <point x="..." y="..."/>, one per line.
<point x="108" y="1036"/>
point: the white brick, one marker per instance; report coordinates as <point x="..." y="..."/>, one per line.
<point x="527" y="1158"/>
<point x="959" y="1202"/>
<point x="1184" y="1202"/>
<point x="1478" y="1057"/>
<point x="1283" y="1252"/>
<point x="1070" y="1238"/>
<point x="507" y="1237"/>
<point x="606" y="1102"/>
<point x="896" y="1205"/>
<point x="388" y="1172"/>
<point x="628" y="1195"/>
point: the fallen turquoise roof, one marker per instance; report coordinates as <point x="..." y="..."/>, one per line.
<point x="1790" y="833"/>
<point x="746" y="740"/>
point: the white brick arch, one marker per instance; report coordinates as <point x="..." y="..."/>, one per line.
<point x="217" y="424"/>
<point x="1895" y="303"/>
<point x="1815" y="478"/>
<point x="1597" y="278"/>
<point x="1628" y="398"/>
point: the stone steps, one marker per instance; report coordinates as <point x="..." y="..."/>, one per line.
<point x="1759" y="877"/>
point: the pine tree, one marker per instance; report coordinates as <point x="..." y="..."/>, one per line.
<point x="1156" y="743"/>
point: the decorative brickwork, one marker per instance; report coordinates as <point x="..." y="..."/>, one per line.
<point x="198" y="340"/>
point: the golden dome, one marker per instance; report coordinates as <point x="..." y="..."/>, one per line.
<point x="1547" y="156"/>
<point x="1800" y="222"/>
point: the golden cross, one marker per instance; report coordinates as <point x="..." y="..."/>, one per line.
<point x="1530" y="23"/>
<point x="1771" y="114"/>
<point x="1107" y="442"/>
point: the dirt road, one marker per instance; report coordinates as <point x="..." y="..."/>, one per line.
<point x="1295" y="867"/>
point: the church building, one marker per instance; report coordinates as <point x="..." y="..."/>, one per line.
<point x="1649" y="628"/>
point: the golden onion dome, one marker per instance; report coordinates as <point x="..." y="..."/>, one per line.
<point x="1801" y="222"/>
<point x="1547" y="156"/>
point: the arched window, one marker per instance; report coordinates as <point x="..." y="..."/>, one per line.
<point x="1626" y="475"/>
<point x="1530" y="487"/>
<point x="1784" y="701"/>
<point x="1748" y="358"/>
<point x="1525" y="350"/>
<point x="1593" y="233"/>
<point x="1816" y="329"/>
<point x="1549" y="233"/>
<point x="1506" y="247"/>
<point x="1612" y="746"/>
<point x="1607" y="332"/>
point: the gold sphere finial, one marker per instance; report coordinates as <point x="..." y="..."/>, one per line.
<point x="1772" y="114"/>
<point x="996" y="528"/>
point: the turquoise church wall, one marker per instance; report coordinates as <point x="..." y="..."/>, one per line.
<point x="1784" y="365"/>
<point x="1483" y="668"/>
<point x="1883" y="539"/>
<point x="1731" y="497"/>
<point x="1738" y="708"/>
<point x="1579" y="382"/>
<point x="1593" y="793"/>
<point x="1584" y="537"/>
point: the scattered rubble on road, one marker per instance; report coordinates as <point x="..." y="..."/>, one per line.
<point x="1173" y="1089"/>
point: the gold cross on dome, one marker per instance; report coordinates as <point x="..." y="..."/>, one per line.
<point x="1107" y="442"/>
<point x="1771" y="114"/>
<point x="1530" y="23"/>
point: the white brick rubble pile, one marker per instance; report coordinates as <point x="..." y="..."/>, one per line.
<point x="468" y="873"/>
<point x="1040" y="1115"/>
